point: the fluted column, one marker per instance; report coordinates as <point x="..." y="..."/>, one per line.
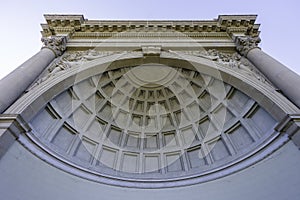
<point x="282" y="77"/>
<point x="15" y="83"/>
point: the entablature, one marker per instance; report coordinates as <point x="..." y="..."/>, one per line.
<point x="77" y="26"/>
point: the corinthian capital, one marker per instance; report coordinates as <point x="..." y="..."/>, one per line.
<point x="245" y="43"/>
<point x="57" y="44"/>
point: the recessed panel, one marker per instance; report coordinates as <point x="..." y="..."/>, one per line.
<point x="108" y="157"/>
<point x="170" y="139"/>
<point x="45" y="119"/>
<point x="218" y="150"/>
<point x="151" y="141"/>
<point x="188" y="136"/>
<point x="63" y="138"/>
<point x="85" y="150"/>
<point x="130" y="163"/>
<point x="151" y="163"/>
<point x="174" y="162"/>
<point x="240" y="137"/>
<point x="133" y="140"/>
<point x="95" y="130"/>
<point x="195" y="157"/>
<point x="114" y="136"/>
<point x="262" y="120"/>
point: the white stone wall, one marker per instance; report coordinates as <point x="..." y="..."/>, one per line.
<point x="24" y="176"/>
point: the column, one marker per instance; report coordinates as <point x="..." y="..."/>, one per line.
<point x="282" y="77"/>
<point x="14" y="84"/>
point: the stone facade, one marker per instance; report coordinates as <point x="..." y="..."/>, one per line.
<point x="193" y="108"/>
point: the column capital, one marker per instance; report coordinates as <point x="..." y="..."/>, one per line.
<point x="245" y="43"/>
<point x="57" y="44"/>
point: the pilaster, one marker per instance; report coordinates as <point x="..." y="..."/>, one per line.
<point x="11" y="126"/>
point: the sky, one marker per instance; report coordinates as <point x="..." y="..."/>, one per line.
<point x="20" y="21"/>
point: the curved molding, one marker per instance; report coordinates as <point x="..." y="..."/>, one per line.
<point x="257" y="155"/>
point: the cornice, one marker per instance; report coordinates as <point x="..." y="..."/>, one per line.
<point x="78" y="25"/>
<point x="149" y="34"/>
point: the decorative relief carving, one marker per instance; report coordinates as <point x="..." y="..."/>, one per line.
<point x="83" y="56"/>
<point x="56" y="67"/>
<point x="57" y="44"/>
<point x="70" y="60"/>
<point x="77" y="58"/>
<point x="151" y="50"/>
<point x="245" y="43"/>
<point x="235" y="61"/>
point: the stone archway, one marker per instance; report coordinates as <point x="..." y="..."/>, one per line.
<point x="69" y="121"/>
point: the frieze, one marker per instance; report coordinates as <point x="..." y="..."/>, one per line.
<point x="77" y="58"/>
<point x="84" y="56"/>
<point x="234" y="61"/>
<point x="70" y="60"/>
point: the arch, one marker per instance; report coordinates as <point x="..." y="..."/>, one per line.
<point x="271" y="100"/>
<point x="36" y="99"/>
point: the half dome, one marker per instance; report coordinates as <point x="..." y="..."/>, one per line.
<point x="152" y="122"/>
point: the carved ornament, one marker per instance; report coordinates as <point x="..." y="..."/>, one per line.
<point x="69" y="60"/>
<point x="57" y="44"/>
<point x="234" y="61"/>
<point x="151" y="50"/>
<point x="77" y="58"/>
<point x="245" y="43"/>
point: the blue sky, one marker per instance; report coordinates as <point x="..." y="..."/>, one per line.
<point x="20" y="22"/>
